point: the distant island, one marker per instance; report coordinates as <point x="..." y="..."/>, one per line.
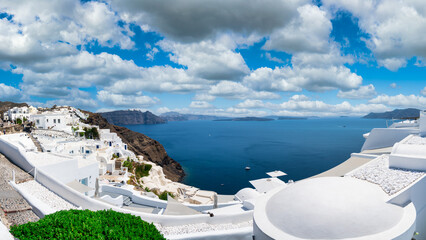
<point x="246" y="119"/>
<point x="292" y="118"/>
<point x="130" y="117"/>
<point x="175" y="116"/>
<point x="409" y="113"/>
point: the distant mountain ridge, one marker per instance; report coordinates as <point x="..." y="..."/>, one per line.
<point x="396" y="114"/>
<point x="130" y="117"/>
<point x="175" y="116"/>
<point x="246" y="119"/>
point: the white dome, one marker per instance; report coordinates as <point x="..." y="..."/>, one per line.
<point x="326" y="208"/>
<point x="246" y="194"/>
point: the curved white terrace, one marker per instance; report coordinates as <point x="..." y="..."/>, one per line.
<point x="326" y="208"/>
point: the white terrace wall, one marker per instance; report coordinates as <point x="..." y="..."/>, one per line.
<point x="386" y="137"/>
<point x="15" y="155"/>
<point x="158" y="203"/>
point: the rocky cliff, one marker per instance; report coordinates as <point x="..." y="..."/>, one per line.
<point x="142" y="145"/>
<point x="409" y="113"/>
<point x="127" y="117"/>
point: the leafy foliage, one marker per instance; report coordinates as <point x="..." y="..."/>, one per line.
<point x="129" y="165"/>
<point x="85" y="224"/>
<point x="163" y="195"/>
<point x="142" y="170"/>
<point x="19" y="121"/>
<point x="91" y="133"/>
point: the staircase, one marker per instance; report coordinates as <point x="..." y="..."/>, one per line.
<point x="126" y="201"/>
<point x="36" y="143"/>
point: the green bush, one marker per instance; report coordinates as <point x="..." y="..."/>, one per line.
<point x="85" y="224"/>
<point x="163" y="195"/>
<point x="142" y="170"/>
<point x="129" y="165"/>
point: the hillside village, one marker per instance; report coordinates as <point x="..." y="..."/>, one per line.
<point x="83" y="156"/>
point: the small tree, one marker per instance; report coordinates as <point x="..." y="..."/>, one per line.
<point x="18" y="121"/>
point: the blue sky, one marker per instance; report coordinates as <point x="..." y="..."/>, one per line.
<point x="221" y="57"/>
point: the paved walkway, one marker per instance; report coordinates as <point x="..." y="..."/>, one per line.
<point x="378" y="151"/>
<point x="36" y="143"/>
<point x="14" y="209"/>
<point x="345" y="167"/>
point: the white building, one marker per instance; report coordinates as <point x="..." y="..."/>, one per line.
<point x="49" y="121"/>
<point x="19" y="112"/>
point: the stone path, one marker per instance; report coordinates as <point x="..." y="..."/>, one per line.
<point x="14" y="209"/>
<point x="36" y="143"/>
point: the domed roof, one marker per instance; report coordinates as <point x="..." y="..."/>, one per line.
<point x="327" y="208"/>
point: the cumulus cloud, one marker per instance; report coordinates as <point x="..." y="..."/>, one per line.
<point x="212" y="60"/>
<point x="423" y="91"/>
<point x="312" y="71"/>
<point x="9" y="92"/>
<point x="120" y="100"/>
<point x="309" y="31"/>
<point x="235" y="90"/>
<point x="363" y="92"/>
<point x="200" y="104"/>
<point x="185" y="20"/>
<point x="320" y="108"/>
<point x="389" y="23"/>
<point x="273" y="59"/>
<point x="400" y="100"/>
<point x="393" y="85"/>
<point x="248" y="103"/>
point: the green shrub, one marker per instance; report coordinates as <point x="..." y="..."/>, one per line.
<point x="85" y="224"/>
<point x="142" y="170"/>
<point x="129" y="165"/>
<point x="19" y="121"/>
<point x="163" y="195"/>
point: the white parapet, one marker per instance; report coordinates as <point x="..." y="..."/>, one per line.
<point x="422" y="123"/>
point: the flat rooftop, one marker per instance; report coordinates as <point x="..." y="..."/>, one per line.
<point x="340" y="170"/>
<point x="391" y="180"/>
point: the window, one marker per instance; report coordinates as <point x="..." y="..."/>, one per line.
<point x="54" y="120"/>
<point x="47" y="120"/>
<point x="38" y="121"/>
<point x="59" y="120"/>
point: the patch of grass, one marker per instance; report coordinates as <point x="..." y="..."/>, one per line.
<point x="85" y="224"/>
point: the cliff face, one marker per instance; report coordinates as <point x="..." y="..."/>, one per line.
<point x="408" y="113"/>
<point x="127" y="117"/>
<point x="142" y="145"/>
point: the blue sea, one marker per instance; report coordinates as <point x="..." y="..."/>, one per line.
<point x="214" y="154"/>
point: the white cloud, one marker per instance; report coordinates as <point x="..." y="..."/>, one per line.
<point x="298" y="97"/>
<point x="200" y="104"/>
<point x="248" y="103"/>
<point x="320" y="108"/>
<point x="423" y="91"/>
<point x="9" y="92"/>
<point x="120" y="100"/>
<point x="393" y="85"/>
<point x="400" y="101"/>
<point x="235" y="90"/>
<point x="213" y="60"/>
<point x="151" y="54"/>
<point x="204" y="97"/>
<point x="273" y="59"/>
<point x="363" y="92"/>
<point x="309" y="31"/>
<point x="394" y="27"/>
